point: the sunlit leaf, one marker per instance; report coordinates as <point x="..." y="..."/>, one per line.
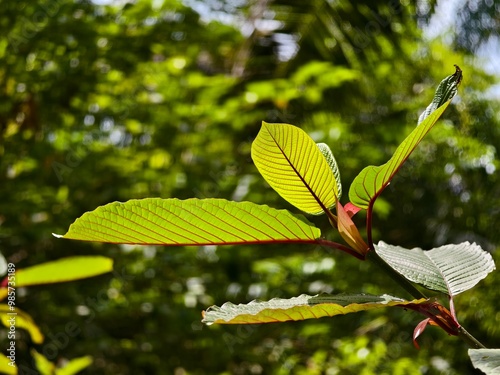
<point x="62" y="270"/>
<point x="6" y="367"/>
<point x="372" y="180"/>
<point x="177" y="222"/>
<point x="486" y="360"/>
<point x="22" y="321"/>
<point x="450" y="269"/>
<point x="299" y="308"/>
<point x="294" y="166"/>
<point x="75" y="366"/>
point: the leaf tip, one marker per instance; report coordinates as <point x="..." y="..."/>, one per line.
<point x="58" y="235"/>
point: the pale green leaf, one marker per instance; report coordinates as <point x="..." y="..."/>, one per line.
<point x="294" y="166"/>
<point x="299" y="308"/>
<point x="22" y="320"/>
<point x="372" y="180"/>
<point x="175" y="222"/>
<point x="450" y="269"/>
<point x="62" y="270"/>
<point x="328" y="154"/>
<point x="486" y="360"/>
<point x="7" y="366"/>
<point x="75" y="366"/>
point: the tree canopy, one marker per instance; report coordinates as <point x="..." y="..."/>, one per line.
<point x="123" y="100"/>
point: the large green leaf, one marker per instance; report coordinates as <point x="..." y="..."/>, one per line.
<point x="299" y="308"/>
<point x="486" y="360"/>
<point x="450" y="269"/>
<point x="372" y="180"/>
<point x="294" y="166"/>
<point x="62" y="270"/>
<point x="177" y="222"/>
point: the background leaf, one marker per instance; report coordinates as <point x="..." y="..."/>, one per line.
<point x="23" y="321"/>
<point x="62" y="270"/>
<point x="5" y="368"/>
<point x="294" y="166"/>
<point x="486" y="360"/>
<point x="191" y="222"/>
<point x="43" y="365"/>
<point x="75" y="365"/>
<point x="298" y="308"/>
<point x="450" y="269"/>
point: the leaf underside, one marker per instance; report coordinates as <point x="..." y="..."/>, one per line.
<point x="294" y="166"/>
<point x="174" y="222"/>
<point x="486" y="360"/>
<point x="450" y="269"/>
<point x="298" y="308"/>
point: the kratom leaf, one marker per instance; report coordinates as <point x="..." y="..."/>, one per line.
<point x="446" y="90"/>
<point x="372" y="180"/>
<point x="299" y="308"/>
<point x="75" y="366"/>
<point x="486" y="360"/>
<point x="328" y="154"/>
<point x="22" y="321"/>
<point x="62" y="270"/>
<point x="294" y="166"/>
<point x="5" y="367"/>
<point x="175" y="222"/>
<point x="449" y="269"/>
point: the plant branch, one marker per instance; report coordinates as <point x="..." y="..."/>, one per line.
<point x="469" y="339"/>
<point x="369" y="218"/>
<point x="339" y="246"/>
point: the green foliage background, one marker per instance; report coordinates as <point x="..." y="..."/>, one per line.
<point x="163" y="99"/>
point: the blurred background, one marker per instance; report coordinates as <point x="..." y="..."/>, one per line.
<point x="113" y="100"/>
